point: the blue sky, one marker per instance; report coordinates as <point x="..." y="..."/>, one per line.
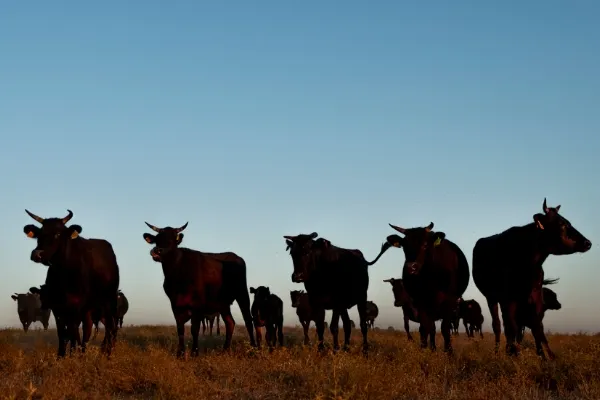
<point x="253" y="120"/>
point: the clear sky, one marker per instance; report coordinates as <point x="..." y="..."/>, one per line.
<point x="253" y="120"/>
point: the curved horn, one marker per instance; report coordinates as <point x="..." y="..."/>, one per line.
<point x="32" y="215"/>
<point x="429" y="227"/>
<point x="544" y="207"/>
<point x="181" y="228"/>
<point x="399" y="229"/>
<point x="289" y="237"/>
<point x="68" y="217"/>
<point x="155" y="229"/>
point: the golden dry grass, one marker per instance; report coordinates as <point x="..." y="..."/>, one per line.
<point x="144" y="367"/>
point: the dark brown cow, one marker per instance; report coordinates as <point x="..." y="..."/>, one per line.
<point x="410" y="312"/>
<point x="267" y="311"/>
<point x="210" y="320"/>
<point x="470" y="312"/>
<point x="199" y="283"/>
<point x="83" y="275"/>
<point x="508" y="269"/>
<point x="372" y="313"/>
<point x="335" y="279"/>
<point x="526" y="315"/>
<point x="435" y="275"/>
<point x="29" y="308"/>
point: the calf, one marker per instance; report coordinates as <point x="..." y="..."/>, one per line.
<point x="372" y="313"/>
<point x="402" y="299"/>
<point x="305" y="314"/>
<point x="470" y="312"/>
<point x="526" y="315"/>
<point x="267" y="311"/>
<point x="29" y="308"/>
<point x="210" y="320"/>
<point x="122" y="308"/>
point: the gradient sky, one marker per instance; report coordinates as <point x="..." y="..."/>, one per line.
<point x="253" y="120"/>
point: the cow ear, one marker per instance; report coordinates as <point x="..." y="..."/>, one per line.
<point x="31" y="231"/>
<point x="75" y="230"/>
<point x="149" y="238"/>
<point x="14" y="297"/>
<point x="289" y="244"/>
<point x="252" y="290"/>
<point x="179" y="238"/>
<point x="438" y="237"/>
<point x="539" y="220"/>
<point x="394" y="240"/>
<point x="34" y="290"/>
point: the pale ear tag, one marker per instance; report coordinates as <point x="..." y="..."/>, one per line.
<point x="539" y="225"/>
<point x="30" y="234"/>
<point x="437" y="242"/>
<point x="178" y="238"/>
<point x="74" y="234"/>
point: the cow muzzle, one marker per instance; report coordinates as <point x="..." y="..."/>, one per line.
<point x="298" y="277"/>
<point x="412" y="268"/>
<point x="155" y="254"/>
<point x="397" y="303"/>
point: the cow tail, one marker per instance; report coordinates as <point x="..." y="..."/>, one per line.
<point x="384" y="247"/>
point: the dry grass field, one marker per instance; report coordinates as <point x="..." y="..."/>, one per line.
<point x="143" y="366"/>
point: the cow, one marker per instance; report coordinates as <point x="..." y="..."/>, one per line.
<point x="210" y="320"/>
<point x="83" y="275"/>
<point x="508" y="269"/>
<point x="122" y="308"/>
<point x="199" y="283"/>
<point x="267" y="311"/>
<point x="410" y="312"/>
<point x="372" y="313"/>
<point x="335" y="279"/>
<point x="302" y="305"/>
<point x="29" y="308"/>
<point x="470" y="312"/>
<point x="527" y="314"/>
<point x="435" y="274"/>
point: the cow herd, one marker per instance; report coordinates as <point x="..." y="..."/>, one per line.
<point x="82" y="284"/>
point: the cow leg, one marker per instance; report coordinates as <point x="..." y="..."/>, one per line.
<point x="110" y="328"/>
<point x="258" y="332"/>
<point x="334" y="328"/>
<point x="424" y="330"/>
<point x="466" y="328"/>
<point x="203" y="321"/>
<point x="121" y="323"/>
<point x="25" y="326"/>
<point x="544" y="341"/>
<point x="493" y="307"/>
<point x="195" y="331"/>
<point x="447" y="335"/>
<point x="509" y="313"/>
<point x="211" y="322"/>
<point x="305" y="326"/>
<point x="407" y="329"/>
<point x="229" y="325"/>
<point x="87" y="331"/>
<point x="361" y="307"/>
<point x="280" y="331"/>
<point x="243" y="301"/>
<point x="271" y="329"/>
<point x="319" y="318"/>
<point x="347" y="329"/>
<point x="432" y="333"/>
<point x="61" y="332"/>
<point x="520" y="334"/>
<point x="218" y="324"/>
<point x="180" y="319"/>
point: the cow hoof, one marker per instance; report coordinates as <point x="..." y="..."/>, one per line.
<point x="346" y="348"/>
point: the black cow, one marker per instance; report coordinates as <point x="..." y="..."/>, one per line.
<point x="508" y="269"/>
<point x="470" y="312"/>
<point x="305" y="314"/>
<point x="199" y="283"/>
<point x="122" y="308"/>
<point x="435" y="275"/>
<point x="83" y="275"/>
<point x="410" y="312"/>
<point x="267" y="311"/>
<point x="372" y="313"/>
<point x="210" y="320"/>
<point x="29" y="308"/>
<point x="527" y="314"/>
<point x="335" y="279"/>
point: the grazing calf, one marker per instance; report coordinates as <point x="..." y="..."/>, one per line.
<point x="470" y="312"/>
<point x="29" y="308"/>
<point x="335" y="279"/>
<point x="526" y="315"/>
<point x="267" y="311"/>
<point x="372" y="313"/>
<point x="435" y="274"/>
<point x="199" y="283"/>
<point x="402" y="299"/>
<point x="508" y="269"/>
<point x="210" y="320"/>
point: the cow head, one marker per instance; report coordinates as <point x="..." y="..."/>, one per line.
<point x="305" y="251"/>
<point x="261" y="294"/>
<point x="417" y="243"/>
<point x="551" y="299"/>
<point x="166" y="240"/>
<point x="557" y="233"/>
<point x="51" y="237"/>
<point x="401" y="296"/>
<point x="43" y="294"/>
<point x="295" y="296"/>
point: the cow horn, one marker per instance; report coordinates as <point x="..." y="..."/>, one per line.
<point x="389" y="280"/>
<point x="289" y="237"/>
<point x="155" y="229"/>
<point x="182" y="228"/>
<point x="544" y="207"/>
<point x="429" y="227"/>
<point x="399" y="229"/>
<point x="68" y="217"/>
<point x="32" y="215"/>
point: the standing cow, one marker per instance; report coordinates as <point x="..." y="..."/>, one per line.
<point x="402" y="299"/>
<point x="526" y="315"/>
<point x="199" y="283"/>
<point x="267" y="311"/>
<point x="29" y="308"/>
<point x="372" y="313"/>
<point x="435" y="275"/>
<point x="122" y="308"/>
<point x="210" y="320"/>
<point x="83" y="275"/>
<point x="470" y="312"/>
<point x="508" y="269"/>
<point x="335" y="279"/>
